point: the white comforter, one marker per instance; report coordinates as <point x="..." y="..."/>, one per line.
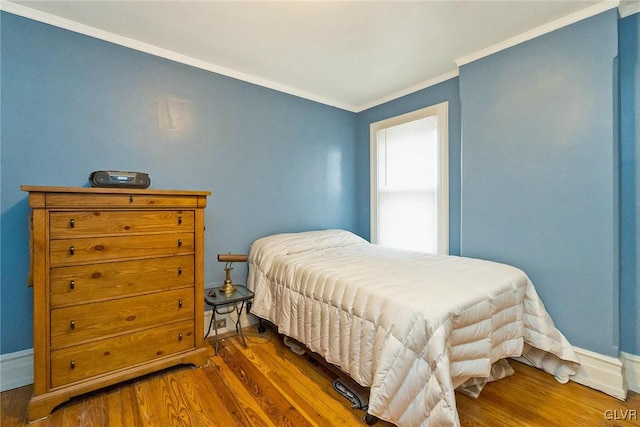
<point x="410" y="326"/>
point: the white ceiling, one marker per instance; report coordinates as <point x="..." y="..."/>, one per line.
<point x="350" y="54"/>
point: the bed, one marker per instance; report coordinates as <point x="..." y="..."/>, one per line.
<point x="412" y="327"/>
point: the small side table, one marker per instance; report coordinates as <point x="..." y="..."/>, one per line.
<point x="234" y="301"/>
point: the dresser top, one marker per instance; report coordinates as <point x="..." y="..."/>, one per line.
<point x="96" y="190"/>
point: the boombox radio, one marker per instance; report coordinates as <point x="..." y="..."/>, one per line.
<point x="119" y="179"/>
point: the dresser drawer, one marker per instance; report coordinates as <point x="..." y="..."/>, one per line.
<point x="88" y="223"/>
<point x="77" y="251"/>
<point x="124" y="200"/>
<point x="100" y="357"/>
<point x="88" y="283"/>
<point x="72" y="325"/>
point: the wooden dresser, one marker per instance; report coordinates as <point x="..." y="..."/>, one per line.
<point x="118" y="287"/>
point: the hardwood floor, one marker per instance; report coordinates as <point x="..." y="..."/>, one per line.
<point x="268" y="385"/>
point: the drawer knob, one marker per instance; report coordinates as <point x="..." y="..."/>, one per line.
<point x="73" y="363"/>
<point x="179" y="243"/>
<point x="179" y="271"/>
<point x="179" y="220"/>
<point x="72" y="284"/>
<point x="72" y="250"/>
<point x="130" y="199"/>
<point x="179" y="303"/>
<point x="179" y="337"/>
<point x="72" y="223"/>
<point x="73" y="324"/>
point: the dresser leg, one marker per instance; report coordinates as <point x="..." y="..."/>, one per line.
<point x="41" y="406"/>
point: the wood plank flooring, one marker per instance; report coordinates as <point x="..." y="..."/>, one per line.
<point x="268" y="385"/>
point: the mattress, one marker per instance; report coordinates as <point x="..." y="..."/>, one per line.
<point x="411" y="326"/>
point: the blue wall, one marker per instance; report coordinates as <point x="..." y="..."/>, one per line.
<point x="539" y="126"/>
<point x="72" y="104"/>
<point x="540" y="172"/>
<point x="629" y="45"/>
<point x="539" y="122"/>
<point x="445" y="91"/>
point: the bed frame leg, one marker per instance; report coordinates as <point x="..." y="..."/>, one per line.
<point x="370" y="419"/>
<point x="261" y="327"/>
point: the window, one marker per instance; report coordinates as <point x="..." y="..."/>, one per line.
<point x="409" y="181"/>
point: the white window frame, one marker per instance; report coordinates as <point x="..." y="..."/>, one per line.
<point x="442" y="112"/>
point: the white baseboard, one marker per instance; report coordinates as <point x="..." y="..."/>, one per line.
<point x="599" y="372"/>
<point x="16" y="369"/>
<point x="603" y="373"/>
<point x="631" y="365"/>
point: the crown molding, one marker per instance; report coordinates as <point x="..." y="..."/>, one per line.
<point x="46" y="18"/>
<point x="628" y="8"/>
<point x="539" y="31"/>
<point x="423" y="85"/>
<point x="625" y="7"/>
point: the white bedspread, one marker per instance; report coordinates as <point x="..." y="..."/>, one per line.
<point x="411" y="326"/>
